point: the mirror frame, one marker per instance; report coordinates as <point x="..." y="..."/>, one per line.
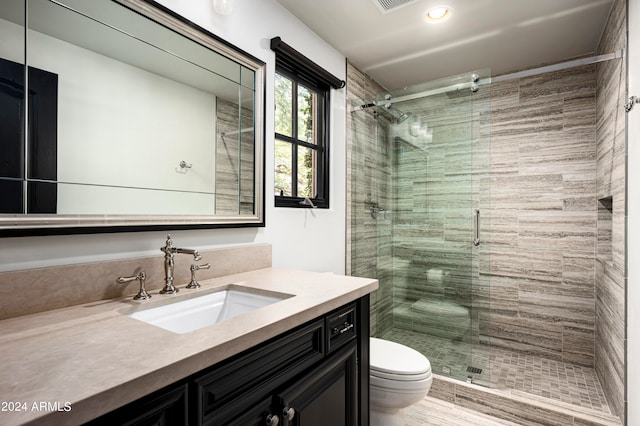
<point x="16" y="225"/>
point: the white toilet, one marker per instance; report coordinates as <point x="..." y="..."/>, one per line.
<point x="399" y="377"/>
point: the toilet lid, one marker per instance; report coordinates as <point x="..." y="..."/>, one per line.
<point x="395" y="361"/>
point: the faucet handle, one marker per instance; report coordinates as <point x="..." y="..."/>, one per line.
<point x="168" y="243"/>
<point x="194" y="283"/>
<point x="142" y="292"/>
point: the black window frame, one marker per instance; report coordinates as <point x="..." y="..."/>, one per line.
<point x="302" y="71"/>
<point x="321" y="168"/>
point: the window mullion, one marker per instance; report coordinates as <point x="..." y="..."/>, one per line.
<point x="294" y="145"/>
<point x="294" y="171"/>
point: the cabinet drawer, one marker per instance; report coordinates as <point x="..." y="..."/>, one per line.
<point x="341" y="327"/>
<point x="255" y="374"/>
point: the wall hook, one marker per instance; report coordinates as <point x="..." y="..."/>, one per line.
<point x="630" y="103"/>
<point x="183" y="167"/>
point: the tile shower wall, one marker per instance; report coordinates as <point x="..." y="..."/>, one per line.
<point x="234" y="159"/>
<point x="541" y="261"/>
<point x="610" y="265"/>
<point x="535" y="282"/>
<point x="369" y="246"/>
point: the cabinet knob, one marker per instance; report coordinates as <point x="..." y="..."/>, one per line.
<point x="272" y="420"/>
<point x="289" y="413"/>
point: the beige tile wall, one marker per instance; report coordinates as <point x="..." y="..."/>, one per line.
<point x="235" y="168"/>
<point x="541" y="257"/>
<point x="610" y="266"/>
<point x="368" y="179"/>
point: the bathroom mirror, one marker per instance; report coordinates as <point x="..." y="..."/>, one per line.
<point x="132" y="119"/>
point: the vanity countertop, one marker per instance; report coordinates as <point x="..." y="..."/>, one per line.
<point x="69" y="365"/>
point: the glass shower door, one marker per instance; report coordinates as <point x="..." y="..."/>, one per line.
<point x="370" y="219"/>
<point x="426" y="206"/>
<point x="433" y="229"/>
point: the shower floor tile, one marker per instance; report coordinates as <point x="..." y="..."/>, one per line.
<point x="509" y="370"/>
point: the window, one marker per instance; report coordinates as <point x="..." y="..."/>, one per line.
<point x="302" y="90"/>
<point x="301" y="149"/>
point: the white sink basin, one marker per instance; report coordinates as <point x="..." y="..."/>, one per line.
<point x="198" y="312"/>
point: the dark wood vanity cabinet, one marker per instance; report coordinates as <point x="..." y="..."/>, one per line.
<point x="315" y="374"/>
<point x="166" y="407"/>
<point x="326" y="396"/>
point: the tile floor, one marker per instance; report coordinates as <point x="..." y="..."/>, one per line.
<point x="509" y="370"/>
<point x="436" y="412"/>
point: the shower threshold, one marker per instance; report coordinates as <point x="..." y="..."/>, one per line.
<point x="514" y="407"/>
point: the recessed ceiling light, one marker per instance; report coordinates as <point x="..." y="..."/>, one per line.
<point x="439" y="14"/>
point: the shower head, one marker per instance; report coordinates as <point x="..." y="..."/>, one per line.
<point x="402" y="117"/>
<point x="399" y="115"/>
<point x="387" y="108"/>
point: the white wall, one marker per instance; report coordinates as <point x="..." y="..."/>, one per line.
<point x="138" y="144"/>
<point x="301" y="238"/>
<point x="102" y="145"/>
<point x="12" y="46"/>
<point x="633" y="220"/>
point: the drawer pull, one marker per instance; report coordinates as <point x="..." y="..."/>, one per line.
<point x="345" y="327"/>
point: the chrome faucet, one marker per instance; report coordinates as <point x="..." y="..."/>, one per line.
<point x="169" y="251"/>
<point x="194" y="283"/>
<point x="141" y="277"/>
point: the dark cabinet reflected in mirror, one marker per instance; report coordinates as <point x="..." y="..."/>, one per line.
<point x="41" y="151"/>
<point x="128" y="118"/>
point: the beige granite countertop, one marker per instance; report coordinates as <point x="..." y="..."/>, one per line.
<point x="69" y="365"/>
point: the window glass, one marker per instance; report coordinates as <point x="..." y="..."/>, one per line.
<point x="283" y="168"/>
<point x="284" y="106"/>
<point x="306" y="100"/>
<point x="306" y="172"/>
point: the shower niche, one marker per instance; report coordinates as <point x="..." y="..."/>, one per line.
<point x="605" y="229"/>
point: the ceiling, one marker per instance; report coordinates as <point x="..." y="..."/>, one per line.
<point x="399" y="48"/>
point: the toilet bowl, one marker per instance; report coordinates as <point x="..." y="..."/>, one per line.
<point x="399" y="377"/>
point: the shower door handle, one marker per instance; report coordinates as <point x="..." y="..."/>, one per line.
<point x="476" y="227"/>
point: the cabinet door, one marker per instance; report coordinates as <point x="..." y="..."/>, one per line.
<point x="325" y="396"/>
<point x="260" y="414"/>
<point x="167" y="407"/>
<point x="254" y="376"/>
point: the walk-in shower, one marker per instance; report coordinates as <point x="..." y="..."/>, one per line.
<point x="472" y="201"/>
